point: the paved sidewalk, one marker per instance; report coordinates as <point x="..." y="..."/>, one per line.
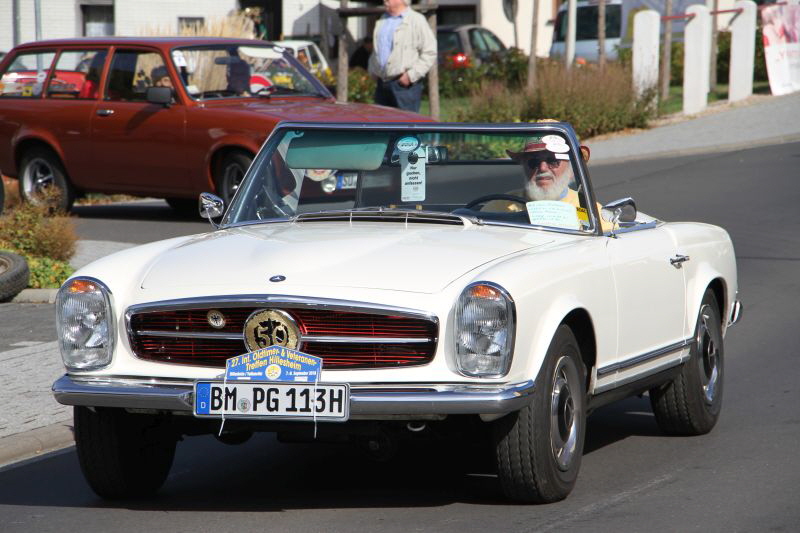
<point x="761" y="121"/>
<point x="32" y="422"/>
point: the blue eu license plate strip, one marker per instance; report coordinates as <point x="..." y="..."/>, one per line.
<point x="286" y="401"/>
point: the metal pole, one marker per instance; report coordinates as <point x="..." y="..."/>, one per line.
<point x="433" y="74"/>
<point x="15" y="18"/>
<point x="37" y="6"/>
<point x="666" y="55"/>
<point x="534" y="36"/>
<point x="341" y="72"/>
<point x="572" y="11"/>
<point x="601" y="33"/>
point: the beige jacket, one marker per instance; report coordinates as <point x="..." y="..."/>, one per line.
<point x="413" y="49"/>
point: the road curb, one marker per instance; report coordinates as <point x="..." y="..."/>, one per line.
<point x="36" y="296"/>
<point x="36" y="442"/>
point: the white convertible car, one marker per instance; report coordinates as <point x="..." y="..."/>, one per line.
<point x="378" y="282"/>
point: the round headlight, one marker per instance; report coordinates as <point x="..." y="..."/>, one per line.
<point x="85" y="324"/>
<point x="484" y="330"/>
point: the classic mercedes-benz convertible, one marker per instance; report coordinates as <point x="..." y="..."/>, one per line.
<point x="380" y="281"/>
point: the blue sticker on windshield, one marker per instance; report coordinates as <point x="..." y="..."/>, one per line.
<point x="274" y="363"/>
<point x="407" y="144"/>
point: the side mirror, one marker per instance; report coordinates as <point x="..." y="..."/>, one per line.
<point x="620" y="212"/>
<point x="211" y="207"/>
<point x="159" y="95"/>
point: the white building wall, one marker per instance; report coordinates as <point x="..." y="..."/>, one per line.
<point x="491" y="15"/>
<point x="60" y="19"/>
<point x="63" y="19"/>
<point x="306" y="17"/>
<point x="131" y="17"/>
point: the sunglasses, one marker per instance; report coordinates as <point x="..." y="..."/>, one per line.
<point x="535" y="161"/>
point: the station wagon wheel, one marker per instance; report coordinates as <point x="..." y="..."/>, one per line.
<point x="230" y="174"/>
<point x="690" y="404"/>
<point x="42" y="179"/>
<point x="539" y="448"/>
<point x="123" y="455"/>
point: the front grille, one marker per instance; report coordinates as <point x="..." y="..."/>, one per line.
<point x="341" y="338"/>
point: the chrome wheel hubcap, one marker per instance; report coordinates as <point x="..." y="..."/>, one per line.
<point x="563" y="417"/>
<point x="709" y="357"/>
<point x="37" y="178"/>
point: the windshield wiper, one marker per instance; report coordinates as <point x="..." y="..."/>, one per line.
<point x="267" y="92"/>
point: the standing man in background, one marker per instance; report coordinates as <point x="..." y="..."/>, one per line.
<point x="405" y="49"/>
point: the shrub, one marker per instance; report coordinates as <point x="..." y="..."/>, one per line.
<point x="12" y="198"/>
<point x="360" y="86"/>
<point x="30" y="230"/>
<point x="492" y="102"/>
<point x="48" y="273"/>
<point x="593" y="100"/>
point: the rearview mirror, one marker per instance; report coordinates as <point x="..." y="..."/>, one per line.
<point x="159" y="95"/>
<point x="620" y="212"/>
<point x="211" y="206"/>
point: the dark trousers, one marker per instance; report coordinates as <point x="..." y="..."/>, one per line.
<point x="392" y="94"/>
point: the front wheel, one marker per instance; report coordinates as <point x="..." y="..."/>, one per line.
<point x="539" y="448"/>
<point x="690" y="404"/>
<point x="122" y="455"/>
<point x="42" y="179"/>
<point x="229" y="175"/>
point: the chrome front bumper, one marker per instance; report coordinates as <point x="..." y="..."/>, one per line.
<point x="365" y="400"/>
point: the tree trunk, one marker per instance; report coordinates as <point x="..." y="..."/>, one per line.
<point x="433" y="74"/>
<point x="666" y="55"/>
<point x="534" y="35"/>
<point x="601" y="33"/>
<point x="712" y="77"/>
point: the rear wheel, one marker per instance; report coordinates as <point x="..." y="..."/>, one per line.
<point x="42" y="179"/>
<point x="123" y="455"/>
<point x="230" y="174"/>
<point x="539" y="448"/>
<point x="690" y="404"/>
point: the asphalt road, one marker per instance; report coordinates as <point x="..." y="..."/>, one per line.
<point x="743" y="476"/>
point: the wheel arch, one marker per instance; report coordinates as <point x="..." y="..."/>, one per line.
<point x="580" y="323"/>
<point x="218" y="153"/>
<point x="28" y="143"/>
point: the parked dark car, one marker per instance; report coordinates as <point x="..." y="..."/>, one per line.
<point x="162" y="117"/>
<point x="467" y="45"/>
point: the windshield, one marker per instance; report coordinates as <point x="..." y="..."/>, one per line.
<point x="238" y="70"/>
<point x="523" y="178"/>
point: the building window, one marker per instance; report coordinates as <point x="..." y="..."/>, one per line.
<point x="190" y="23"/>
<point x="98" y="20"/>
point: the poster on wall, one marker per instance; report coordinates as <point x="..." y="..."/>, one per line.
<point x="781" y="34"/>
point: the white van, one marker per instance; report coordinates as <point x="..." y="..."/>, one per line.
<point x="619" y="25"/>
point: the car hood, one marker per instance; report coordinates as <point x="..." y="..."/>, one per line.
<point x="419" y="258"/>
<point x="315" y="109"/>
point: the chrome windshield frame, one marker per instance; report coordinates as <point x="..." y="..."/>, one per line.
<point x="563" y="128"/>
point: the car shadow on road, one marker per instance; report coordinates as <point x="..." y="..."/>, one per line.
<point x="267" y="476"/>
<point x="631" y="417"/>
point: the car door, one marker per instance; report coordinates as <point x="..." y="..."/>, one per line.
<point x="138" y="147"/>
<point x="651" y="302"/>
<point x="70" y="100"/>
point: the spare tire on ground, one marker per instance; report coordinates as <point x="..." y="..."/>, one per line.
<point x="14" y="275"/>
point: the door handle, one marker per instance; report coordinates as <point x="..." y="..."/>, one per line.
<point x="678" y="260"/>
<point x="105" y="112"/>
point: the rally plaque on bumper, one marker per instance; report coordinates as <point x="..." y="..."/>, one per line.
<point x="287" y="401"/>
<point x="273" y="382"/>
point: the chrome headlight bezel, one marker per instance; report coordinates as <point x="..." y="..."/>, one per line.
<point x="500" y="336"/>
<point x="100" y="331"/>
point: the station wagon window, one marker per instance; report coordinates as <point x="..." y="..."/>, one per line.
<point x="77" y="75"/>
<point x="235" y="71"/>
<point x="132" y="72"/>
<point x="26" y="75"/>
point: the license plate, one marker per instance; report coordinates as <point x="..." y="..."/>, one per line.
<point x="287" y="401"/>
<point x="347" y="181"/>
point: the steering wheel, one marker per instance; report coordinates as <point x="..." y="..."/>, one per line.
<point x="488" y="197"/>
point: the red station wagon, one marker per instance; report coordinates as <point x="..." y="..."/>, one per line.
<point x="161" y="117"/>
